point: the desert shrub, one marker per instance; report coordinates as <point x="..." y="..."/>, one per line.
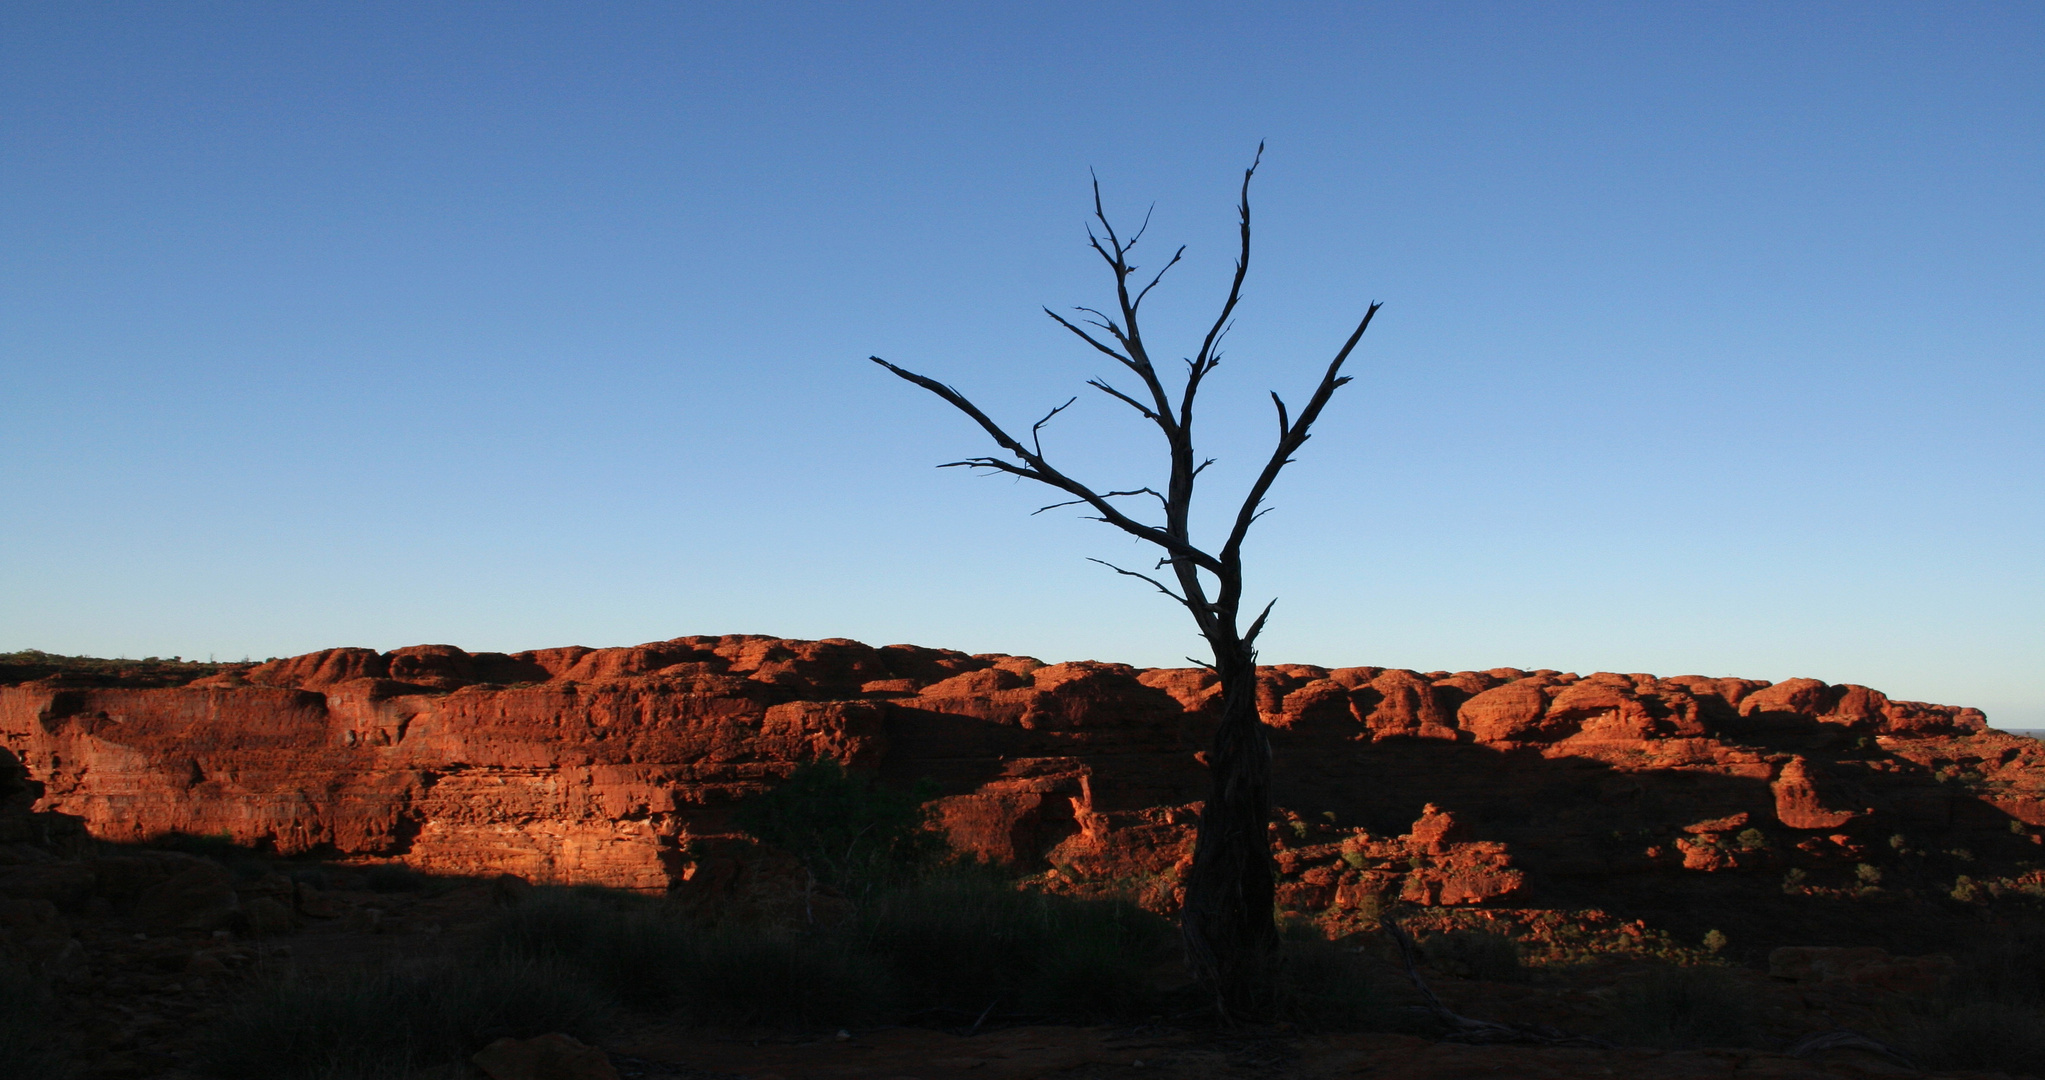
<point x="1681" y="1008"/>
<point x="394" y="878"/>
<point x="970" y="941"/>
<point x="640" y="956"/>
<point x="315" y="876"/>
<point x="851" y="833"/>
<point x="1472" y="954"/>
<point x="625" y="949"/>
<point x="1324" y="986"/>
<point x="751" y="976"/>
<point x="26" y="1048"/>
<point x="376" y="1025"/>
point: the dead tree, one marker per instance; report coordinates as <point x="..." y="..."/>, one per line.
<point x="1228" y="919"/>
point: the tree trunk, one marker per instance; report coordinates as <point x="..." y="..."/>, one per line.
<point x="1228" y="919"/>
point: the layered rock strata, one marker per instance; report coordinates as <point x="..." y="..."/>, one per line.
<point x="620" y="766"/>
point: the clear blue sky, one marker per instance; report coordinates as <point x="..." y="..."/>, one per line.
<point x="1712" y="339"/>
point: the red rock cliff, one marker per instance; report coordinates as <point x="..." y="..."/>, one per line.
<point x="610" y="765"/>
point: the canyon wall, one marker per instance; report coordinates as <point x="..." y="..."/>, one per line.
<point x="620" y="766"/>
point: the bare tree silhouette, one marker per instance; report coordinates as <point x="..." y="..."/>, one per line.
<point x="1228" y="920"/>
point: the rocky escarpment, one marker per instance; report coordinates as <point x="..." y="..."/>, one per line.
<point x="619" y="766"/>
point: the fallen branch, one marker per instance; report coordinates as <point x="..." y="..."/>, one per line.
<point x="1843" y="1039"/>
<point x="1464" y="1029"/>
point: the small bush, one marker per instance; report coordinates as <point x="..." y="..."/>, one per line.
<point x="850" y="833"/>
<point x="379" y="1025"/>
<point x="313" y="876"/>
<point x="626" y="949"/>
<point x="1752" y="840"/>
<point x="1682" y="1008"/>
<point x="968" y="942"/>
<point x="393" y="878"/>
<point x="754" y="977"/>
<point x="1474" y="955"/>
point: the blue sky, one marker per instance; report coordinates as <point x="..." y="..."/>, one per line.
<point x="1712" y="339"/>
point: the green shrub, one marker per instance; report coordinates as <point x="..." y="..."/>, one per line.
<point x="1682" y="1008"/>
<point x="850" y="833"/>
<point x="376" y="1025"/>
<point x="1474" y="955"/>
<point x="966" y="942"/>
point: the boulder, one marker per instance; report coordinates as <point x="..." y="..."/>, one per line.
<point x="546" y="1057"/>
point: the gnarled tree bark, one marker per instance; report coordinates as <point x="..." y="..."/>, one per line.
<point x="1228" y="919"/>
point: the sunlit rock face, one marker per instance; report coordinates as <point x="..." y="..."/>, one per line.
<point x="621" y="766"/>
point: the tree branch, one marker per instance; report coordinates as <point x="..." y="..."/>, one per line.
<point x="1146" y="577"/>
<point x="1034" y="467"/>
<point x="1036" y="429"/>
<point x="1206" y="360"/>
<point x="1104" y="388"/>
<point x="1291" y="438"/>
<point x="1088" y="338"/>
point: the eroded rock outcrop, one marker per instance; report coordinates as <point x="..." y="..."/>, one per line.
<point x="619" y="766"/>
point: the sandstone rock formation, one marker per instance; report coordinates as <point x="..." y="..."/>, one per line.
<point x="619" y="766"/>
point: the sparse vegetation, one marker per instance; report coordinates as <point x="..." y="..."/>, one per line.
<point x="1321" y="985"/>
<point x="974" y="942"/>
<point x="1471" y="954"/>
<point x="850" y="833"/>
<point x="1991" y="1014"/>
<point x="1682" y="1008"/>
<point x="375" y="1025"/>
<point x="154" y="671"/>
